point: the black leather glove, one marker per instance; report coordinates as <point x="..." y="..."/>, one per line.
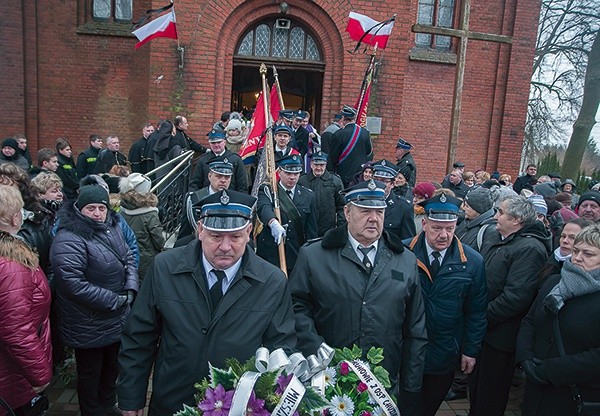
<point x="535" y="371"/>
<point x="130" y="296"/>
<point x="122" y="301"/>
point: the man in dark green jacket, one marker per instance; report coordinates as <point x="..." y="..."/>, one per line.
<point x="454" y="288"/>
<point x="208" y="301"/>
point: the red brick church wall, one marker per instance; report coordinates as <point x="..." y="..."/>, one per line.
<point x="63" y="82"/>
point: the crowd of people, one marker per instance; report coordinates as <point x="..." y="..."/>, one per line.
<point x="462" y="281"/>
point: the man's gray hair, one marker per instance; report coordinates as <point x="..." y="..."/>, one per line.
<point x="520" y="208"/>
<point x="589" y="235"/>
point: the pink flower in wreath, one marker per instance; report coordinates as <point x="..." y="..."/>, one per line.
<point x="216" y="402"/>
<point x="344" y="368"/>
<point x="362" y="387"/>
<point x="365" y="413"/>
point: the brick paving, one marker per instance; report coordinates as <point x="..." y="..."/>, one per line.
<point x="63" y="401"/>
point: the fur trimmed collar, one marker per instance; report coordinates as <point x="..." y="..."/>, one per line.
<point x="338" y="238"/>
<point x="71" y="219"/>
<point x="17" y="250"/>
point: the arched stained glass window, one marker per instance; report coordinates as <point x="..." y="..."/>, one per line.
<point x="268" y="39"/>
<point x="263" y="40"/>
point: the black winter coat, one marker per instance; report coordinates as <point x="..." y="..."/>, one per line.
<point x="89" y="278"/>
<point x="304" y="201"/>
<point x="511" y="267"/>
<point x="329" y="202"/>
<point x="68" y="175"/>
<point x="337" y="302"/>
<point x="172" y="327"/>
<point x="580" y="329"/>
<point x="407" y="161"/>
<point x="239" y="180"/>
<point x="399" y="217"/>
<point x="86" y="162"/>
<point x="468" y="230"/>
<point x="353" y="157"/>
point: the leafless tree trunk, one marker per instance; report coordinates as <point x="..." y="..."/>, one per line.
<point x="587" y="114"/>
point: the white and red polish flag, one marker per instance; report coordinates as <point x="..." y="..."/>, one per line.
<point x="366" y="30"/>
<point x="161" y="27"/>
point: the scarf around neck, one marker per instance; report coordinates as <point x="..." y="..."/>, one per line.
<point x="574" y="282"/>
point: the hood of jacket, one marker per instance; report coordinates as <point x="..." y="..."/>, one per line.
<point x="17" y="250"/>
<point x="536" y="230"/>
<point x="338" y="238"/>
<point x="71" y="219"/>
<point x="486" y="218"/>
<point x="133" y="200"/>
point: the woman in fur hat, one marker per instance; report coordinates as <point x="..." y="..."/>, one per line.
<point x="25" y="348"/>
<point x="138" y="207"/>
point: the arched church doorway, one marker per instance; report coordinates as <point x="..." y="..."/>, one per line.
<point x="297" y="56"/>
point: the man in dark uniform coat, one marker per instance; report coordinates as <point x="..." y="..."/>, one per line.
<point x="399" y="218"/>
<point x="137" y="150"/>
<point x="326" y="136"/>
<point x="359" y="285"/>
<point x="327" y="187"/>
<point x="298" y="214"/>
<point x="282" y="136"/>
<point x="300" y="140"/>
<point x="219" y="177"/>
<point x="350" y="147"/>
<point x="216" y="141"/>
<point x="405" y="160"/>
<point x="86" y="161"/>
<point x="208" y="301"/>
<point x="454" y="288"/>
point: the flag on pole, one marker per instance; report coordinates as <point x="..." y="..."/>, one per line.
<point x="275" y="104"/>
<point x="161" y="27"/>
<point x="255" y="139"/>
<point x="362" y="105"/>
<point x="364" y="29"/>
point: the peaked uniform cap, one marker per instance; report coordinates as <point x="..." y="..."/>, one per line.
<point x="216" y="135"/>
<point x="366" y="194"/>
<point x="225" y="210"/>
<point x="290" y="164"/>
<point x="385" y="169"/>
<point x="441" y="207"/>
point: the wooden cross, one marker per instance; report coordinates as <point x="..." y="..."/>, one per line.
<point x="464" y="34"/>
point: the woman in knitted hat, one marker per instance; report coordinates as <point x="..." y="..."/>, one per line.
<point x="96" y="280"/>
<point x="235" y="134"/>
<point x="421" y="192"/>
<point x="10" y="153"/>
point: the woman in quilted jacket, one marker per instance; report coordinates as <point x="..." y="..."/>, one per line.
<point x="96" y="279"/>
<point x="25" y="348"/>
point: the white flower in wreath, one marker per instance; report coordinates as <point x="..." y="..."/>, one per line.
<point x="341" y="406"/>
<point x="329" y="375"/>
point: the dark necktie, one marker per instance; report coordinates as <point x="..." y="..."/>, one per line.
<point x="365" y="259"/>
<point x="435" y="264"/>
<point x="287" y="191"/>
<point x="216" y="291"/>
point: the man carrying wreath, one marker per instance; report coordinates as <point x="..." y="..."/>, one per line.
<point x="359" y="285"/>
<point x="208" y="301"/>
